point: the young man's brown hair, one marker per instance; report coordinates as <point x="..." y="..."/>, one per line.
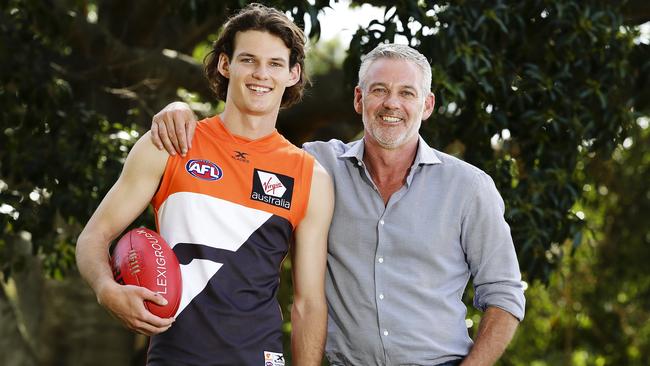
<point x="259" y="18"/>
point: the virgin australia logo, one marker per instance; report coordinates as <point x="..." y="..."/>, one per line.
<point x="272" y="188"/>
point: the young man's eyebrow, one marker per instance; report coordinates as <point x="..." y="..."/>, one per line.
<point x="246" y="54"/>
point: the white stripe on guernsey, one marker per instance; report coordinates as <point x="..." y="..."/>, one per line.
<point x="195" y="218"/>
<point x="195" y="276"/>
<point x="187" y="217"/>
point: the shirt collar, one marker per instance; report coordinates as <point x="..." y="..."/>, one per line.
<point x="424" y="156"/>
<point x="355" y="151"/>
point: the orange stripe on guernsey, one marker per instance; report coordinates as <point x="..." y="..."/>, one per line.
<point x="269" y="174"/>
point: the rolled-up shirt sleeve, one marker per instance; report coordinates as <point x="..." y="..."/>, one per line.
<point x="491" y="256"/>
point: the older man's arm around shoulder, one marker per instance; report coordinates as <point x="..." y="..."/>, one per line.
<point x="309" y="255"/>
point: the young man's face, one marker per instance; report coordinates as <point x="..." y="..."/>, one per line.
<point x="392" y="102"/>
<point x="258" y="72"/>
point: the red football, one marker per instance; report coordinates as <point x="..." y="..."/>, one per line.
<point x="143" y="258"/>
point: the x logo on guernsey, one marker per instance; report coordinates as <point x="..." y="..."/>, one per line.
<point x="240" y="156"/>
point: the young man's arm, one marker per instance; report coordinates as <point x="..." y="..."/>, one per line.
<point x="496" y="329"/>
<point x="128" y="197"/>
<point x="309" y="255"/>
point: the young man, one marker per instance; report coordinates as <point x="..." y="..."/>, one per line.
<point x="411" y="225"/>
<point x="229" y="209"/>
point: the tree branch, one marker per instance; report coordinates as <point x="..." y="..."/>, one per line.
<point x="149" y="77"/>
<point x="134" y="23"/>
<point x="641" y="60"/>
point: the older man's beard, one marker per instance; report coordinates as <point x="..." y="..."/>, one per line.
<point x="390" y="137"/>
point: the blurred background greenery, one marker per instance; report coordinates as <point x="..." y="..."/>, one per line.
<point x="550" y="97"/>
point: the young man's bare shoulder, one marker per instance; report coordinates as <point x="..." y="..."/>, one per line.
<point x="145" y="148"/>
<point x="145" y="158"/>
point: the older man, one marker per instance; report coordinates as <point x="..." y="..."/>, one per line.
<point x="411" y="225"/>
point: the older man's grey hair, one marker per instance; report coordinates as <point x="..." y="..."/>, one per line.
<point x="399" y="52"/>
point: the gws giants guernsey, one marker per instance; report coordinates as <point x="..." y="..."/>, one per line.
<point x="229" y="209"/>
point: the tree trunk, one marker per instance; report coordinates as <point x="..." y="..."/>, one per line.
<point x="77" y="331"/>
<point x="47" y="322"/>
<point x="13" y="350"/>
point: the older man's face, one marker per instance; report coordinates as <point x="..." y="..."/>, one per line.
<point x="392" y="102"/>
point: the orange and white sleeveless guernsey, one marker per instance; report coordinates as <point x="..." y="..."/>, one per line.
<point x="229" y="209"/>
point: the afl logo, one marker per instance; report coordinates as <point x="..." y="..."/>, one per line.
<point x="204" y="169"/>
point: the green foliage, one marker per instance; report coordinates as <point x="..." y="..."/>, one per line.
<point x="521" y="87"/>
<point x="595" y="309"/>
<point x="57" y="159"/>
<point x="324" y="56"/>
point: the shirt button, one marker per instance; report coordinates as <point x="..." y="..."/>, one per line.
<point x="381" y="222"/>
<point x="380" y="260"/>
<point x="381" y="296"/>
<point x="359" y="163"/>
<point x="385" y="332"/>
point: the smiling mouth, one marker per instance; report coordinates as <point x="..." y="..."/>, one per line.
<point x="258" y="88"/>
<point x="390" y="119"/>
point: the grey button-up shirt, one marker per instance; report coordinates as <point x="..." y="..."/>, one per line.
<point x="396" y="272"/>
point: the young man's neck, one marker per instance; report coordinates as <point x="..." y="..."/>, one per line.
<point x="248" y="126"/>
